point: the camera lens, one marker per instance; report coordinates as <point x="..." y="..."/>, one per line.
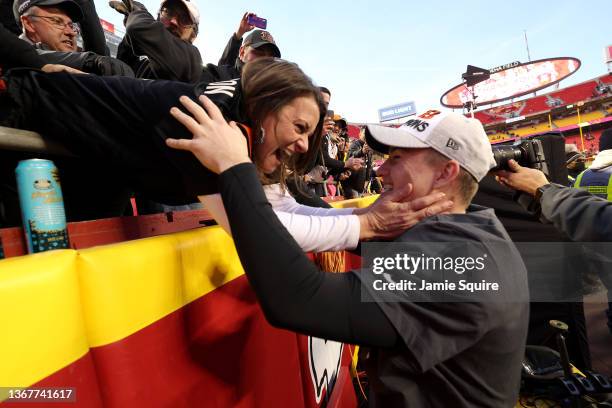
<point x="502" y="154"/>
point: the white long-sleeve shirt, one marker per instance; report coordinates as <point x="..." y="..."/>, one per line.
<point x="314" y="229"/>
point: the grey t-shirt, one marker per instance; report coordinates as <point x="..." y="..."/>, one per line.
<point x="455" y="354"/>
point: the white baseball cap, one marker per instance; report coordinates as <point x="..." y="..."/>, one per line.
<point x="449" y="133"/>
<point x="194" y="13"/>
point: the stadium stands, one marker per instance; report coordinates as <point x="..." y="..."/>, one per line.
<point x="573" y="120"/>
<point x="543" y="103"/>
<point x="585" y="107"/>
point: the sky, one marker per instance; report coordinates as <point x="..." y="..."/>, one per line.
<point x="376" y="54"/>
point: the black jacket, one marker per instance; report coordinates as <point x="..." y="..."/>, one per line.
<point x="85" y="61"/>
<point x="91" y="29"/>
<point x="229" y="67"/>
<point x="17" y="53"/>
<point x="155" y="53"/>
<point x="333" y="166"/>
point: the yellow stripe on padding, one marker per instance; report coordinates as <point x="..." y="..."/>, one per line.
<point x="131" y="285"/>
<point x="41" y="321"/>
<point x="355" y="202"/>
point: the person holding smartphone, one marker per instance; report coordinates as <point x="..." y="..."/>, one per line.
<point x="258" y="44"/>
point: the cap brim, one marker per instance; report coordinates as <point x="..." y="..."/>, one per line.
<point x="383" y="138"/>
<point x="277" y="53"/>
<point x="73" y="10"/>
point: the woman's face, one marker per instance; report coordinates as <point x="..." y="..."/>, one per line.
<point x="287" y="133"/>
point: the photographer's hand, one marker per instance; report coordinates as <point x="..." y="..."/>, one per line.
<point x="216" y="144"/>
<point x="521" y="178"/>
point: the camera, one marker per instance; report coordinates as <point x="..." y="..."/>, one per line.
<point x="528" y="153"/>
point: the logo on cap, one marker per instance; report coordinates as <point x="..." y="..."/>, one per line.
<point x="452" y="144"/>
<point x="266" y="36"/>
<point x="23" y="6"/>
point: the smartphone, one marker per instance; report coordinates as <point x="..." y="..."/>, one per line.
<point x="330" y="114"/>
<point x="257" y="22"/>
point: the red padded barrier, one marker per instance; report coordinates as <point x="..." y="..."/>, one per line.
<point x="81" y="375"/>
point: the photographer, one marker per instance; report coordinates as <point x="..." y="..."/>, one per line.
<point x="578" y="214"/>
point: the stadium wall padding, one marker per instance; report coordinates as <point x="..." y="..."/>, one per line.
<point x="169" y="321"/>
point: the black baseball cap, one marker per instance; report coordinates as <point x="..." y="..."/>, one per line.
<point x="69" y="6"/>
<point x="259" y="38"/>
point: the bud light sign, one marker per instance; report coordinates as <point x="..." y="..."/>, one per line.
<point x="396" y="111"/>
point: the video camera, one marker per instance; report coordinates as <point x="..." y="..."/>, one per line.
<point x="527" y="152"/>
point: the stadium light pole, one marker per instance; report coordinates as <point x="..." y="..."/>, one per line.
<point x="472" y="76"/>
<point x="527" y="46"/>
<point x="528" y="54"/>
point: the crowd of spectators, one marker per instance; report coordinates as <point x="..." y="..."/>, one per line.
<point x="44" y="36"/>
<point x="345" y="166"/>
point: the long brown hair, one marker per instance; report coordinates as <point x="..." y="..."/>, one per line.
<point x="268" y="85"/>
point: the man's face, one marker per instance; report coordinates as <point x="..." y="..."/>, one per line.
<point x="175" y="17"/>
<point x="248" y="53"/>
<point x="52" y="27"/>
<point x="409" y="166"/>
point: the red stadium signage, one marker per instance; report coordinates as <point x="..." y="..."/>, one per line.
<point x="107" y="26"/>
<point x="512" y="81"/>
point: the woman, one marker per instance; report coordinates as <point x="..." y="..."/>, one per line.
<point x="126" y="122"/>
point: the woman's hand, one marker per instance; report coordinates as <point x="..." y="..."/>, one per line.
<point x="215" y="143"/>
<point x="391" y="215"/>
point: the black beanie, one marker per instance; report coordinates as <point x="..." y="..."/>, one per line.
<point x="605" y="140"/>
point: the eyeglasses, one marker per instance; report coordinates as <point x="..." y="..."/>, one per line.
<point x="59" y="23"/>
<point x="182" y="18"/>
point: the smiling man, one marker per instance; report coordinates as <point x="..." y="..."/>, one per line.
<point x="462" y="351"/>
